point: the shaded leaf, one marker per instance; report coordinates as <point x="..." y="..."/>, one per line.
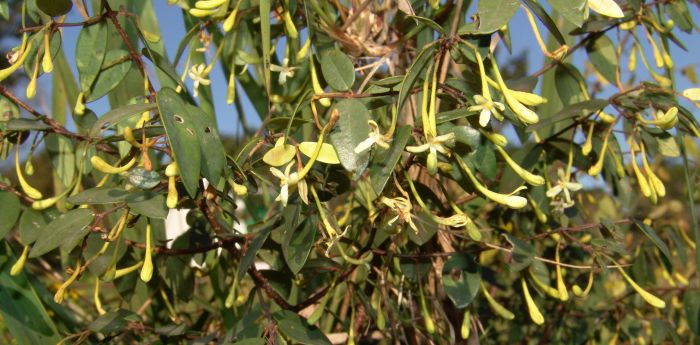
<point x="338" y="70"/>
<point x="351" y="129"/>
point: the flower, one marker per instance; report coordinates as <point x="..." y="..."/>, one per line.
<point x="563" y="186"/>
<point x="284" y="70"/>
<point x="198" y="74"/>
<point x="402" y="206"/>
<point x="374" y="138"/>
<point x="288" y="179"/>
<point x="486" y="107"/>
<point x="434" y="145"/>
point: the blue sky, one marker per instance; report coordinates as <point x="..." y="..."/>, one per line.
<point x="172" y="27"/>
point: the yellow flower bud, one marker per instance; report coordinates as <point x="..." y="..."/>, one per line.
<point x="58" y="297"/>
<point x="171" y="169"/>
<point x="26" y="187"/>
<point x="427" y="318"/>
<point x="46" y="63"/>
<point x="497" y="308"/>
<point x="535" y="180"/>
<point x="147" y="269"/>
<point x="79" y="108"/>
<point x="200" y="13"/>
<point x="230" y="20"/>
<point x="209" y="4"/>
<point x="588" y="145"/>
<point x="289" y="26"/>
<point x="583" y="293"/>
<point x="535" y="314"/>
<point x="496" y="138"/>
<point x="17" y="267"/>
<point x="96" y="297"/>
<point x="318" y="90"/>
<point x="466" y="326"/>
<point x="171" y="200"/>
<point x="527" y="98"/>
<point x="301" y="54"/>
<point x="104" y="167"/>
<point x="31" y="87"/>
<point x="24" y="51"/>
<point x="598" y="166"/>
<point x="512" y="201"/>
<point x="648" y="297"/>
<point x="561" y="287"/>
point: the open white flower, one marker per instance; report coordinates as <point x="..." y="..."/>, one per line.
<point x="198" y="75"/>
<point x="564" y="186"/>
<point x="284" y="70"/>
<point x="434" y="145"/>
<point x="289" y="179"/>
<point x="487" y="107"/>
<point x="375" y="138"/>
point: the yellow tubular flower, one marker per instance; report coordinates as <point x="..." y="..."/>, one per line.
<point x="512" y="201"/>
<point x="561" y="287"/>
<point x="301" y="54"/>
<point x="46" y="63"/>
<point x="648" y="297"/>
<point x="535" y="314"/>
<point x="497" y="308"/>
<point x="552" y="292"/>
<point x="466" y="326"/>
<point x="171" y="200"/>
<point x="209" y="4"/>
<point x="535" y="180"/>
<point x="588" y="146"/>
<point x="58" y="297"/>
<point x="19" y="264"/>
<point x="577" y="290"/>
<point x="641" y="179"/>
<point x="632" y="64"/>
<point x="124" y="271"/>
<point x="96" y="297"/>
<point x="598" y="166"/>
<point x="318" y="90"/>
<point x="289" y="26"/>
<point x="655" y="181"/>
<point x="79" y="108"/>
<point x="104" y="167"/>
<point x="31" y="87"/>
<point x="23" y="51"/>
<point x="26" y="187"/>
<point x="524" y="114"/>
<point x="495" y="138"/>
<point x="46" y="203"/>
<point x="147" y="269"/>
<point x="427" y="318"/>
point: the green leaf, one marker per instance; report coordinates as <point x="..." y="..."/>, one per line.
<point x="571" y="86"/>
<point x="523" y="253"/>
<point x="31" y="222"/>
<point x="601" y="53"/>
<point x="62" y="157"/>
<point x="182" y="136"/>
<point x="691" y="305"/>
<point x="90" y="53"/>
<point x="23" y="314"/>
<point x="572" y="10"/>
<point x="667" y="145"/>
<point x="115" y="66"/>
<point x="351" y="129"/>
<point x="429" y="22"/>
<point x="296" y="328"/>
<point x="65" y="231"/>
<point x="338" y="70"/>
<point x="384" y="161"/>
<point x="54" y="8"/>
<point x="413" y="73"/>
<point x="546" y="20"/>
<point x="142" y="178"/>
<point x="261" y="235"/>
<point x="491" y="16"/>
<point x="209" y="144"/>
<point x="9" y="212"/>
<point x="266" y="40"/>
<point x="297" y="242"/>
<point x="113" y="321"/>
<point x="651" y="234"/>
<point x="147" y="203"/>
<point x="23" y="124"/>
<point x="461" y="279"/>
<point x="115" y="116"/>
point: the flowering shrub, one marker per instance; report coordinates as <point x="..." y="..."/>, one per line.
<point x="411" y="181"/>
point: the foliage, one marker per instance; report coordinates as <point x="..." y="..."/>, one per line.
<point x="411" y="181"/>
